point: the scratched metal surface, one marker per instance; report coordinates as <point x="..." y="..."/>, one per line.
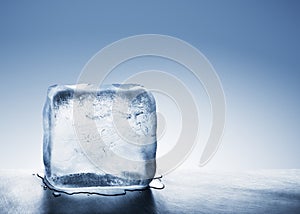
<point x="186" y="191"/>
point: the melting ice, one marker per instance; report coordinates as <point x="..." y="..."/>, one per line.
<point x="98" y="140"/>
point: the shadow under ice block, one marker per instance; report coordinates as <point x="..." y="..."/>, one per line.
<point x="98" y="139"/>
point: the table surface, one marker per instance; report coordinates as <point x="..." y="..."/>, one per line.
<point x="186" y="191"/>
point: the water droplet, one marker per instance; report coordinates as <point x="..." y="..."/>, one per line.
<point x="156" y="184"/>
<point x="56" y="194"/>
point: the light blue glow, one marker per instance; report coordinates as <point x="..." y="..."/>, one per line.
<point x="253" y="45"/>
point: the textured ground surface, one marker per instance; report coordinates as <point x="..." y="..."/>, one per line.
<point x="186" y="191"/>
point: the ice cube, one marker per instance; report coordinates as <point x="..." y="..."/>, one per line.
<point x="97" y="139"/>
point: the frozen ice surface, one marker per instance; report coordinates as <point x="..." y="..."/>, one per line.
<point x="96" y="139"/>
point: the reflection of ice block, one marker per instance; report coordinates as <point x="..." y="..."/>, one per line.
<point x="97" y="139"/>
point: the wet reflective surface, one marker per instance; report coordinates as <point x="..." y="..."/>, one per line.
<point x="186" y="191"/>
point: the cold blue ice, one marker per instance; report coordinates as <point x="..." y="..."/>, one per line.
<point x="98" y="139"/>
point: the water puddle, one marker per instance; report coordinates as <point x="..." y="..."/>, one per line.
<point x="156" y="184"/>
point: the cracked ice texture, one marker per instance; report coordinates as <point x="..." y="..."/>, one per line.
<point x="99" y="137"/>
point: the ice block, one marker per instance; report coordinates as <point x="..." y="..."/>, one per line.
<point x="98" y="139"/>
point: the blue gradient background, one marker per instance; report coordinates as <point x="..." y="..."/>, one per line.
<point x="253" y="45"/>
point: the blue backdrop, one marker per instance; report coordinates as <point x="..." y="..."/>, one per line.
<point x="253" y="45"/>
